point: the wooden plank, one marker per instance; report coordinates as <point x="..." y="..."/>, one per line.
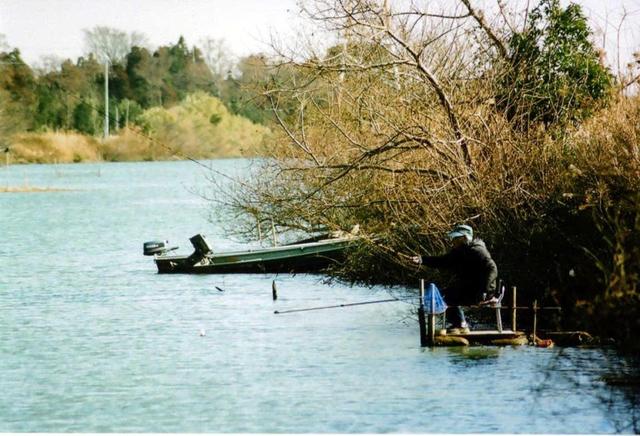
<point x="487" y="337"/>
<point x="490" y="333"/>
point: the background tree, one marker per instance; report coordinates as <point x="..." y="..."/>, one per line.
<point x="242" y="91"/>
<point x="4" y="45"/>
<point x="553" y="72"/>
<point x="220" y="60"/>
<point x="112" y="45"/>
<point x="18" y="83"/>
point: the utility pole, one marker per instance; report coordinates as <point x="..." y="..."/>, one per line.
<point x="106" y="98"/>
<point x="126" y="118"/>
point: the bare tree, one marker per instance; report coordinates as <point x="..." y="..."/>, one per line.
<point x="393" y="125"/>
<point x="401" y="97"/>
<point x="111" y="44"/>
<point x="49" y="63"/>
<point x="219" y="58"/>
<point x="4" y="45"/>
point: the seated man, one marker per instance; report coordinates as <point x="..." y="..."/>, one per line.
<point x="474" y="272"/>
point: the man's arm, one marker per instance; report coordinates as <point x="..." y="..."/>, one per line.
<point x="445" y="261"/>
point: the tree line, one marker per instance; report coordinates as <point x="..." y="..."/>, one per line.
<point x="70" y="96"/>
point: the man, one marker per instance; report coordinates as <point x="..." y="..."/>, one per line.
<point x="474" y="272"/>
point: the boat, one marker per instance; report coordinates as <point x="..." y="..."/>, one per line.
<point x="310" y="255"/>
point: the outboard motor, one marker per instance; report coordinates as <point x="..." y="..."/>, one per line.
<point x="153" y="248"/>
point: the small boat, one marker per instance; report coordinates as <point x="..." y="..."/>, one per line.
<point x="311" y="255"/>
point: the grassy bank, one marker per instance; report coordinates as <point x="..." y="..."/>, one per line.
<point x="200" y="127"/>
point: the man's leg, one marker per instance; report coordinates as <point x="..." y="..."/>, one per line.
<point x="457" y="318"/>
<point x="455" y="314"/>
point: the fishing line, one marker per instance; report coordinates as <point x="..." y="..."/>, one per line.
<point x="278" y="312"/>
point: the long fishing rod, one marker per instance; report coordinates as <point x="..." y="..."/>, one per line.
<point x="337" y="306"/>
<point x="278" y="312"/>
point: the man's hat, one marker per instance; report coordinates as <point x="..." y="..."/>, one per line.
<point x="461" y="230"/>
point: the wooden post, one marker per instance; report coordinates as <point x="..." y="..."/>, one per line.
<point x="274" y="291"/>
<point x="535" y="318"/>
<point x="421" y="320"/>
<point x="513" y="308"/>
<point x="432" y="319"/>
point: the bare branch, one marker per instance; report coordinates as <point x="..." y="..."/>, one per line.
<point x="479" y="17"/>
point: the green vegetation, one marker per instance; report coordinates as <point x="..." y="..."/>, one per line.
<point x="169" y="82"/>
<point x="199" y="127"/>
<point x="553" y="75"/>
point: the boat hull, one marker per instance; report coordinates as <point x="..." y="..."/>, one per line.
<point x="300" y="258"/>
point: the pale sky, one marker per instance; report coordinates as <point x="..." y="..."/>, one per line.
<point x="46" y="27"/>
<point x="54" y="27"/>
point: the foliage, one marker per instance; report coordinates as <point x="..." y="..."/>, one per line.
<point x="72" y="97"/>
<point x="242" y="93"/>
<point x="201" y="126"/>
<point x="399" y="131"/>
<point x="553" y="73"/>
<point x="83" y="118"/>
<point x="18" y="84"/>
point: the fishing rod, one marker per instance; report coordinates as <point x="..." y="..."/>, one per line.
<point x="278" y="312"/>
<point x="337" y="306"/>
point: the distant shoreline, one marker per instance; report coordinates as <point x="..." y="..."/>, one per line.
<point x="23" y="189"/>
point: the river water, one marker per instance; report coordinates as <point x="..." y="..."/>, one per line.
<point x="92" y="339"/>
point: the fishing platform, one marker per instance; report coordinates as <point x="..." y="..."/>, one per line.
<point x="433" y="309"/>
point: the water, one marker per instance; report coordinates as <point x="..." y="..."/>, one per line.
<point x="93" y="340"/>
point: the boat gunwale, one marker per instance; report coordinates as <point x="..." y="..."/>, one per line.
<point x="267" y="250"/>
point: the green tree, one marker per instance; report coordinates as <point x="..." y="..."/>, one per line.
<point x="242" y="94"/>
<point x="553" y="73"/>
<point x="137" y="63"/>
<point x="83" y="118"/>
<point x="19" y="84"/>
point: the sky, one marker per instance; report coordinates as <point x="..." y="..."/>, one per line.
<point x="54" y="27"/>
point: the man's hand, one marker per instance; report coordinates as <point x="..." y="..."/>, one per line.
<point x="491" y="302"/>
<point x="417" y="260"/>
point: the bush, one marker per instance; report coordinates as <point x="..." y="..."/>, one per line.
<point x="50" y="147"/>
<point x="201" y="126"/>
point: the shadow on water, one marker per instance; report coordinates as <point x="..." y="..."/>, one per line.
<point x="618" y="389"/>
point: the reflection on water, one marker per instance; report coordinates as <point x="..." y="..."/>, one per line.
<point x="622" y="402"/>
<point x="473" y="354"/>
<point x="93" y="340"/>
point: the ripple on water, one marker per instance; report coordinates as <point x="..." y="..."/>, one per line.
<point x="93" y="340"/>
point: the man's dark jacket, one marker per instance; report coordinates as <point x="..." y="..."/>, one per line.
<point x="474" y="270"/>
